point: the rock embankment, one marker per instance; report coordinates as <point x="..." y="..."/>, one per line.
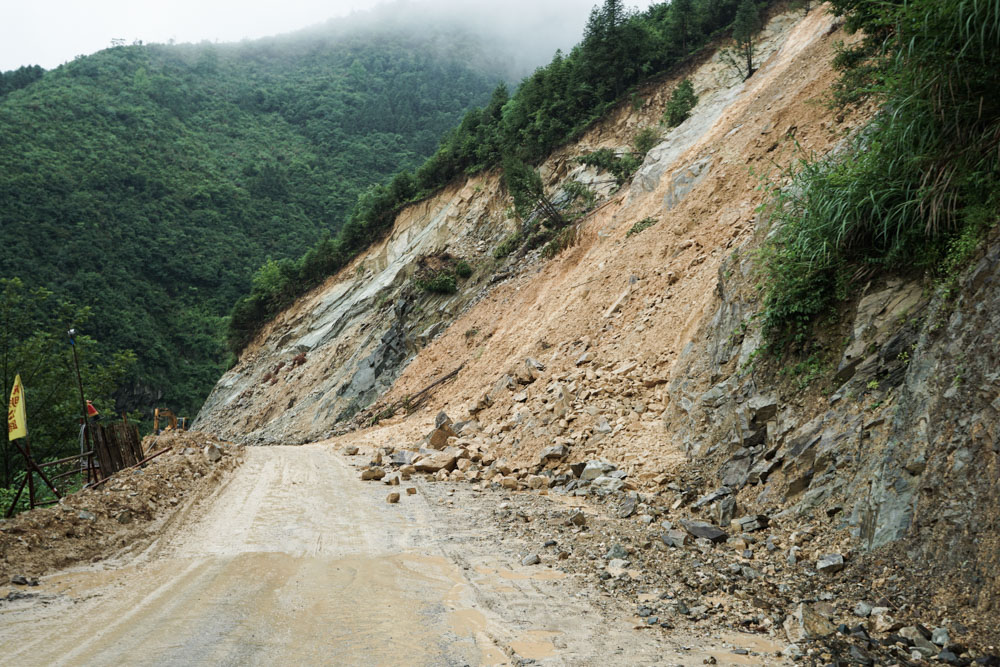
<point x="122" y="515"/>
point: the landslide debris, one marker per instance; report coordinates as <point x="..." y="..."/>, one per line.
<point x="124" y="514"/>
<point x="689" y="562"/>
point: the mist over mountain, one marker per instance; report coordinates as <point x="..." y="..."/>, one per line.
<point x="150" y="181"/>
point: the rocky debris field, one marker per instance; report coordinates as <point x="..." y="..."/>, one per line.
<point x="122" y="515"/>
<point x="685" y="557"/>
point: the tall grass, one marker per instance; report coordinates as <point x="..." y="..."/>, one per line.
<point x="925" y="171"/>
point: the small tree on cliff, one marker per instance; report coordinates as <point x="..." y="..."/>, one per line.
<point x="682" y="100"/>
<point x="746" y="25"/>
<point x="526" y="188"/>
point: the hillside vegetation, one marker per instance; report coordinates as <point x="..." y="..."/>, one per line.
<point x="147" y="182"/>
<point x="918" y="188"/>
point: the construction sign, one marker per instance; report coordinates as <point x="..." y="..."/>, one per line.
<point x="17" y="424"/>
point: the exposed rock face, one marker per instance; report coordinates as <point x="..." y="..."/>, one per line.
<point x="906" y="446"/>
<point x="341" y="347"/>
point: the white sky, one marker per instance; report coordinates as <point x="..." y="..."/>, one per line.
<point x="51" y="32"/>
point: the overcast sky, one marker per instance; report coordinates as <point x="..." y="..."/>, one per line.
<point x="51" y="32"/>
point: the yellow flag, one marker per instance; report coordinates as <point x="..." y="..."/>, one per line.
<point x="17" y="425"/>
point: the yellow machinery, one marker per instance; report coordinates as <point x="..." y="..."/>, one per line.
<point x="173" y="421"/>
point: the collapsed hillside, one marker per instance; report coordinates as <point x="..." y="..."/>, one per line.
<point x="345" y="344"/>
<point x="636" y="347"/>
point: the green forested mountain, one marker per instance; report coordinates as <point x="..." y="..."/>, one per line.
<point x="149" y="181"/>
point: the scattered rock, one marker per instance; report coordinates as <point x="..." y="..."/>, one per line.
<point x="213" y="453"/>
<point x="438" y="438"/>
<point x="862" y="609"/>
<point x="350" y="451"/>
<point x="721" y="492"/>
<point x="86" y="516"/>
<point x="947" y="656"/>
<point x="578" y="519"/>
<point x="701" y="529"/>
<point x="940" y="636"/>
<point x="751" y="523"/>
<point x="616" y="567"/>
<point x="509" y="483"/>
<point x="125" y="516"/>
<point x="860" y="656"/>
<point x="411" y="491"/>
<point x="392" y="498"/>
<point x="627" y="508"/>
<point x="880" y="620"/>
<point x="369" y="474"/>
<point x="830" y="563"/>
<point x="804" y="623"/>
<point x="442" y="419"/>
<point x="435" y="462"/>
<point x="531" y="559"/>
<point x="616" y="551"/>
<point x="675" y="538"/>
<point x="553" y="453"/>
<point x="595" y="469"/>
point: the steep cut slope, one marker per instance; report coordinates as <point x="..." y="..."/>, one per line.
<point x="638" y="347"/>
<point x="356" y="334"/>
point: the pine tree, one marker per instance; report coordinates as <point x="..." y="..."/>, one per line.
<point x="746" y="25"/>
<point x="682" y="22"/>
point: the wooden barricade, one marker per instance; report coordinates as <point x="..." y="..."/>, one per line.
<point x="116" y="446"/>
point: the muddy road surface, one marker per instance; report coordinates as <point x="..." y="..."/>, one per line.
<point x="296" y="561"/>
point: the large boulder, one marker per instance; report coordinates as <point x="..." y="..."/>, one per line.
<point x="445" y="460"/>
<point x="805" y="623"/>
<point x="595" y="469"/>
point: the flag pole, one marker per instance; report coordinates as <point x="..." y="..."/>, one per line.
<point x="27" y="452"/>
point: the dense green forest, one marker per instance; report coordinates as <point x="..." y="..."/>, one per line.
<point x="148" y="182"/>
<point x="620" y="49"/>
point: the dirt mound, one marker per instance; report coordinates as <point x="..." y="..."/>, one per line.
<point x="123" y="514"/>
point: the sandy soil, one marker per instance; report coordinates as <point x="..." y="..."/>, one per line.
<point x="295" y="561"/>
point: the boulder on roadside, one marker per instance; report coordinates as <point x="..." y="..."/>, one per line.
<point x="369" y="474"/>
<point x="435" y="462"/>
<point x="537" y="481"/>
<point x="438" y="438"/>
<point x="509" y="483"/>
<point x="804" y="623"/>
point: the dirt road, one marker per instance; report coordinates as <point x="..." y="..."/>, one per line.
<point x="295" y="561"/>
